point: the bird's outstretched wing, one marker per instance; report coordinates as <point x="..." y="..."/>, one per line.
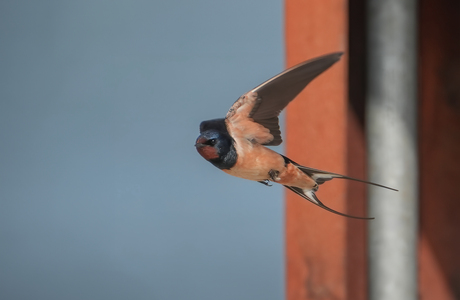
<point x="310" y="196"/>
<point x="257" y="111"/>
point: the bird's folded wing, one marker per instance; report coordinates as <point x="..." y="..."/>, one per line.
<point x="262" y="105"/>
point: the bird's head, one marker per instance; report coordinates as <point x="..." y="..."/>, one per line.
<point x="211" y="144"/>
<point x="216" y="145"/>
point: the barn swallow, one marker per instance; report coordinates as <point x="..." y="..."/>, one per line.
<point x="236" y="143"/>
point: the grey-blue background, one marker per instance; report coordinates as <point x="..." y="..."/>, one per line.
<point x="103" y="195"/>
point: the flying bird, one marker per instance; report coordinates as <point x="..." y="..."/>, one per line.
<point x="236" y="144"/>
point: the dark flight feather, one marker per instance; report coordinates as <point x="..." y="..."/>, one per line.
<point x="276" y="93"/>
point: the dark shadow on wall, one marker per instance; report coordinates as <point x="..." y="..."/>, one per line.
<point x="439" y="145"/>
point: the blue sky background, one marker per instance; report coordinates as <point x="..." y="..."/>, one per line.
<point x="102" y="194"/>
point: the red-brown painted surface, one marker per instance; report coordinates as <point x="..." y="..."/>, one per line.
<point x="325" y="254"/>
<point x="320" y="248"/>
<point x="439" y="127"/>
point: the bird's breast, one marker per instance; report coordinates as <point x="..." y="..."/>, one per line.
<point x="255" y="161"/>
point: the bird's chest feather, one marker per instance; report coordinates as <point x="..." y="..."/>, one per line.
<point x="255" y="161"/>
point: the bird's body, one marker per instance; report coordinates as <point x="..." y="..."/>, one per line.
<point x="237" y="143"/>
<point x="255" y="162"/>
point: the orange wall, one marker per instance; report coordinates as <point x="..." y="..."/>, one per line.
<point x="325" y="253"/>
<point x="319" y="245"/>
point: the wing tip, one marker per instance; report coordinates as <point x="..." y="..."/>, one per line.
<point x="337" y="54"/>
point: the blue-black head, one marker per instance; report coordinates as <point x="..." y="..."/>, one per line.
<point x="215" y="144"/>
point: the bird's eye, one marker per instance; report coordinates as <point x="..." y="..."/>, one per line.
<point x="211" y="142"/>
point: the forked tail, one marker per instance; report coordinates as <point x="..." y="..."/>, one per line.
<point x="321" y="177"/>
<point x="310" y="196"/>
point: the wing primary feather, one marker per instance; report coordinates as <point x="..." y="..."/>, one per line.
<point x="276" y="93"/>
<point x="325" y="61"/>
